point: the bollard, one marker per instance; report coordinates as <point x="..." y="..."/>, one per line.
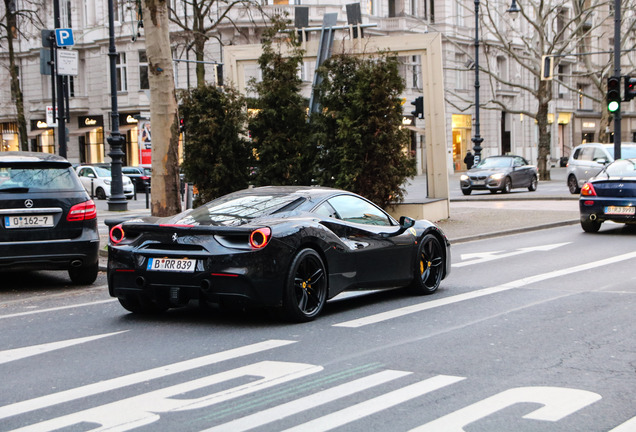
<point x="92" y="190"/>
<point x="188" y="196"/>
<point x="147" y="188"/>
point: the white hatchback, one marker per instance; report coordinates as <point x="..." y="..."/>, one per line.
<point x="96" y="180"/>
<point x="589" y="159"/>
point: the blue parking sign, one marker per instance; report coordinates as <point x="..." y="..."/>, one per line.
<point x="64" y="37"/>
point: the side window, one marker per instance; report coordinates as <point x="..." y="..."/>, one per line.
<point x="577" y="153"/>
<point x="599" y="154"/>
<point x="586" y="154"/>
<point x="519" y="162"/>
<point x="325" y="210"/>
<point x="357" y="210"/>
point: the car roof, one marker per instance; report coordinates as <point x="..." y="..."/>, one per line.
<point x="305" y="191"/>
<point x="31" y="157"/>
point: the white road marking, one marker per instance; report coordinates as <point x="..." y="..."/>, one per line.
<point x="557" y="404"/>
<point x="628" y="426"/>
<point x="306" y="403"/>
<point x="144" y="409"/>
<point x="482" y="257"/>
<point x="377" y="404"/>
<point x="396" y="313"/>
<point x="135" y="378"/>
<point x="20" y="353"/>
<point x="55" y="309"/>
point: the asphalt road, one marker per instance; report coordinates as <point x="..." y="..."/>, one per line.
<point x="531" y="332"/>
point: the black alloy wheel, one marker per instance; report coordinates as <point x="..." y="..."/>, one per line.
<point x="429" y="266"/>
<point x="100" y="194"/>
<point x="507" y="186"/>
<point x="84" y="275"/>
<point x="533" y="184"/>
<point x="306" y="288"/>
<point x="590" y="226"/>
<point x="573" y="185"/>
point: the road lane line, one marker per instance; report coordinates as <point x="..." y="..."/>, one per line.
<point x="396" y="313"/>
<point x="306" y="403"/>
<point x="55" y="309"/>
<point x="135" y="378"/>
<point x="20" y="353"/>
<point x="377" y="404"/>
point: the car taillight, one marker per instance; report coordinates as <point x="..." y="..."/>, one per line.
<point x="117" y="234"/>
<point x="260" y="237"/>
<point x="588" y="190"/>
<point x="82" y="211"/>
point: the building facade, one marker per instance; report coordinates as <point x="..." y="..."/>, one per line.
<point x="575" y="110"/>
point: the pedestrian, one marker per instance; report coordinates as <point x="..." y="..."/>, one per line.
<point x="469" y="160"/>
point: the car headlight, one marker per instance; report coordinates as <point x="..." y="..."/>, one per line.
<point x="498" y="176"/>
<point x="463" y="177"/>
<point x="107" y="182"/>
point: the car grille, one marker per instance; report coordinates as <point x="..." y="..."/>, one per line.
<point x="478" y="177"/>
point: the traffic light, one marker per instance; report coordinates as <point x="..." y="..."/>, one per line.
<point x="181" y="125"/>
<point x="419" y="107"/>
<point x="630" y="88"/>
<point x="613" y="94"/>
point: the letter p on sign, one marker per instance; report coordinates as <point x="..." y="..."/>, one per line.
<point x="64" y="37"/>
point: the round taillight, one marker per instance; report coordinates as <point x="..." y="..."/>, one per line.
<point x="116" y="234"/>
<point x="260" y="237"/>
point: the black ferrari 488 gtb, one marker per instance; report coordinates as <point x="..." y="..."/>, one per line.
<point x="291" y="248"/>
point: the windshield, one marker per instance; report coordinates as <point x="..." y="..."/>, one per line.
<point x="498" y="162"/>
<point x="36" y="178"/>
<point x="237" y="210"/>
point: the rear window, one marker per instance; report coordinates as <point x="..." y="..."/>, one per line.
<point x="37" y="177"/>
<point x="233" y="210"/>
<point x="626" y="152"/>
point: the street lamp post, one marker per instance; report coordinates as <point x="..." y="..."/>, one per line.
<point x="117" y="199"/>
<point x="477" y="139"/>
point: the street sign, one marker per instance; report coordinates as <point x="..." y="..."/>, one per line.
<point x="64" y="37"/>
<point x="67" y="62"/>
<point x="51" y="118"/>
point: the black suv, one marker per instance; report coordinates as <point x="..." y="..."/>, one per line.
<point x="140" y="176"/>
<point x="47" y="219"/>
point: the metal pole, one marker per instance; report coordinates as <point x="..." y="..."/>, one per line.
<point x="61" y="126"/>
<point x="477" y="139"/>
<point x="117" y="199"/>
<point x="617" y="73"/>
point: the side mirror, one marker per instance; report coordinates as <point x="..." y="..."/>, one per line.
<point x="405" y="223"/>
<point x="602" y="161"/>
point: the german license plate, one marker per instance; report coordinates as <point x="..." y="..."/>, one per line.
<point x="30" y="221"/>
<point x="478" y="182"/>
<point x="616" y="210"/>
<point x="183" y="265"/>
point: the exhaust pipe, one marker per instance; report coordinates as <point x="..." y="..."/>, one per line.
<point x="140" y="281"/>
<point x="76" y="263"/>
<point x="206" y="285"/>
<point x="593" y="217"/>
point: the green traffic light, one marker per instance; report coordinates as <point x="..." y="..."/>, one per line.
<point x="613" y="106"/>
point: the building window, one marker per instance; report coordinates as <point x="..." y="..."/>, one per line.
<point x="69" y="22"/>
<point x="429" y="10"/>
<point x="122" y="78"/>
<point x="143" y="71"/>
<point x="460" y="71"/>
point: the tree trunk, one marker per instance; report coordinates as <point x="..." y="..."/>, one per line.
<point x="545" y="134"/>
<point x="16" y="91"/>
<point x="164" y="117"/>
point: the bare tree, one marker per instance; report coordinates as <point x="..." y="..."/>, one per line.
<point x="163" y="110"/>
<point x="199" y="21"/>
<point x="13" y="25"/>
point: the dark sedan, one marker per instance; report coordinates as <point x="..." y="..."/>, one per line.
<point x="140" y="176"/>
<point x="48" y="220"/>
<point x="610" y="196"/>
<point x="500" y="173"/>
<point x="288" y="248"/>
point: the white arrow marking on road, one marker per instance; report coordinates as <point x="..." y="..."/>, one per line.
<point x="307" y="403"/>
<point x="557" y="404"/>
<point x="136" y="378"/>
<point x="377" y="404"/>
<point x="481" y="257"/>
<point x="20" y="353"/>
<point x="519" y="283"/>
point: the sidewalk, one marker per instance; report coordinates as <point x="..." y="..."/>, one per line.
<point x="479" y="215"/>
